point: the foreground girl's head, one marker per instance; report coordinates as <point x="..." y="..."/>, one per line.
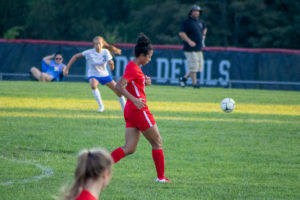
<point x="143" y="49"/>
<point x="94" y="165"/>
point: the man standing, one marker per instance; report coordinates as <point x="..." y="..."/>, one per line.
<point x="193" y="33"/>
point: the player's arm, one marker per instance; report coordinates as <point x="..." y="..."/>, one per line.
<point x="185" y="38"/>
<point x="47" y="59"/>
<point x="147" y="80"/>
<point x="111" y="64"/>
<point x="120" y="87"/>
<point x="64" y="67"/>
<point x="70" y="63"/>
<point x="204" y="33"/>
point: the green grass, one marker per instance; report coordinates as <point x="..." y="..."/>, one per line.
<point x="252" y="153"/>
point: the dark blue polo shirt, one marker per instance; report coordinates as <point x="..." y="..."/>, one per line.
<point x="194" y="30"/>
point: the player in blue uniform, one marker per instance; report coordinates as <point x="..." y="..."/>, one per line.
<point x="52" y="66"/>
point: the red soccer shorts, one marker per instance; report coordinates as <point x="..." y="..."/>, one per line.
<point x="140" y="119"/>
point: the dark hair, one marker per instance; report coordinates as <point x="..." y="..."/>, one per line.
<point x="58" y="53"/>
<point x="143" y="45"/>
<point x="90" y="165"/>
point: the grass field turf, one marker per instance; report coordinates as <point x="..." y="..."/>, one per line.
<point x="252" y="153"/>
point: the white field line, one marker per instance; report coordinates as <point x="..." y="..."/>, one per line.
<point x="46" y="172"/>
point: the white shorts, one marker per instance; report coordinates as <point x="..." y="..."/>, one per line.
<point x="195" y="60"/>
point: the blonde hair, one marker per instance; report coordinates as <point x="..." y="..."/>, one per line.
<point x="91" y="164"/>
<point x="113" y="50"/>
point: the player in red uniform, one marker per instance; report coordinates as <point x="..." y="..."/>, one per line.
<point x="136" y="113"/>
<point x="92" y="174"/>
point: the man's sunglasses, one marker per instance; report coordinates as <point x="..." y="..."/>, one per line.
<point x="58" y="58"/>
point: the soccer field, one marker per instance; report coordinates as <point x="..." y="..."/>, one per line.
<point x="251" y="153"/>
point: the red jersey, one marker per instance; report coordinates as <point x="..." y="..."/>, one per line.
<point x="86" y="195"/>
<point x="136" y="84"/>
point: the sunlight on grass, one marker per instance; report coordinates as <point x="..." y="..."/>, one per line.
<point x="90" y="104"/>
<point x="215" y="107"/>
<point x="103" y="116"/>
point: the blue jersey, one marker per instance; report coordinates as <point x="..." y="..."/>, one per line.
<point x="55" y="69"/>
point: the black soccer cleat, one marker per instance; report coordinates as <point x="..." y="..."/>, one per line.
<point x="182" y="81"/>
<point x="196" y="86"/>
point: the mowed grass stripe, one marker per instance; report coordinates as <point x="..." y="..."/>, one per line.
<point x="101" y="116"/>
<point x="84" y="104"/>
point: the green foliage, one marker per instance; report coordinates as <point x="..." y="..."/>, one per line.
<point x="157" y="22"/>
<point x="13" y="32"/>
<point x="251" y="23"/>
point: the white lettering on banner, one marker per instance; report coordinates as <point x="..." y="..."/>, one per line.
<point x="224" y="70"/>
<point x="209" y="81"/>
<point x="185" y="66"/>
<point x="121" y="62"/>
<point x="201" y="81"/>
<point x="169" y="70"/>
<point x="175" y="71"/>
<point x="162" y="63"/>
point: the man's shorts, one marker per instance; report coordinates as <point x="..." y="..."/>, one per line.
<point x="140" y="119"/>
<point x="102" y="80"/>
<point x="195" y="60"/>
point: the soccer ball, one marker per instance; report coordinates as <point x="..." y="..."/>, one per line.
<point x="227" y="105"/>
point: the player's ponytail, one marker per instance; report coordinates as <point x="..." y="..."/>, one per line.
<point x="91" y="164"/>
<point x="112" y="49"/>
<point x="79" y="175"/>
<point x="143" y="45"/>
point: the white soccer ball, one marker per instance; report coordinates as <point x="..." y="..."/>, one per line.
<point x="227" y="105"/>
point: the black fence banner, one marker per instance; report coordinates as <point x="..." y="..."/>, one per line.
<point x="223" y="67"/>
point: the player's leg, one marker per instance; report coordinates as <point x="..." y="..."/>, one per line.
<point x="121" y="98"/>
<point x="46" y="77"/>
<point x="35" y="72"/>
<point x="94" y="86"/>
<point x="197" y="67"/>
<point x="40" y="76"/>
<point x="189" y="59"/>
<point x="193" y="61"/>
<point x="132" y="136"/>
<point x="153" y="136"/>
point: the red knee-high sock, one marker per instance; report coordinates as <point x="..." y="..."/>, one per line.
<point x="159" y="160"/>
<point x="117" y="154"/>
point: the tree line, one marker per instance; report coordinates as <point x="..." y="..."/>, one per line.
<point x="240" y="23"/>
